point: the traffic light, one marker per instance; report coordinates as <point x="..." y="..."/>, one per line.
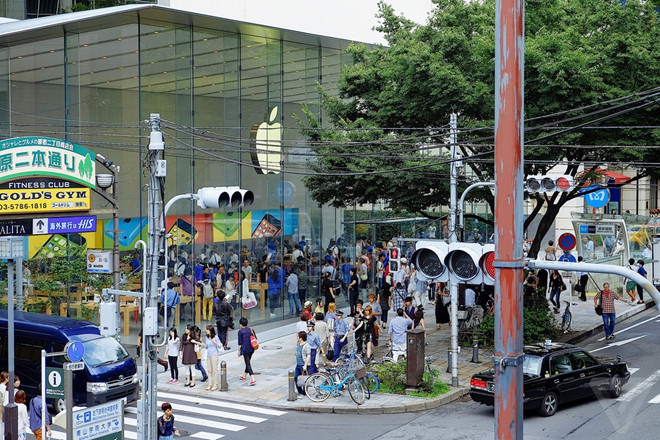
<point x="224" y="197"/>
<point x="549" y="184"/>
<point x="395" y="259"/>
<point x="466" y="262"/>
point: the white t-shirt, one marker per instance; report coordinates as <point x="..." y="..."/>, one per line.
<point x="470" y="297"/>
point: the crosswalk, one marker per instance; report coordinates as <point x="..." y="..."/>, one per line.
<point x="202" y="418"/>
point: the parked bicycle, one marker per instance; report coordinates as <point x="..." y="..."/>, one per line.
<point x="566" y="318"/>
<point x="320" y="386"/>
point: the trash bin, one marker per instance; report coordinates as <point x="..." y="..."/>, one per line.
<point x="415" y="344"/>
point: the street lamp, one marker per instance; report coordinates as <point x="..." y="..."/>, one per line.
<point x="11" y="249"/>
<point x="105" y="182"/>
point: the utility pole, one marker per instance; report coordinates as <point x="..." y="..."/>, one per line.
<point x="509" y="159"/>
<point x="453" y="238"/>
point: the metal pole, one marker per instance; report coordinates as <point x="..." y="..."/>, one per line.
<point x="68" y="400"/>
<point x="453" y="238"/>
<point x="461" y="203"/>
<point x="224" y="386"/>
<point x="115" y="243"/>
<point x="449" y="359"/>
<point x="11" y="410"/>
<point x="293" y="392"/>
<point x="19" y="284"/>
<point x="475" y="351"/>
<point x="509" y="158"/>
<point x="43" y="395"/>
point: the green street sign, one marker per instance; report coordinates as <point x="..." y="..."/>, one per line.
<point x="54" y="383"/>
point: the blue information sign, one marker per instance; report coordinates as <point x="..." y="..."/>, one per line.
<point x="74" y="351"/>
<point x="567" y="257"/>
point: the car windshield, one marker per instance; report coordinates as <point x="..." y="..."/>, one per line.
<point x="103" y="351"/>
<point x="531" y="365"/>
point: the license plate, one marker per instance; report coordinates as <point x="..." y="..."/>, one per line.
<point x="490" y="386"/>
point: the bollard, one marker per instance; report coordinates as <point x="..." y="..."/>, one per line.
<point x="223" y="376"/>
<point x="475" y="351"/>
<point x="448" y="359"/>
<point x="293" y="391"/>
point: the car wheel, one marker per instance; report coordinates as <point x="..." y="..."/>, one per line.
<point x="549" y="405"/>
<point x="615" y="386"/>
<point x="59" y="405"/>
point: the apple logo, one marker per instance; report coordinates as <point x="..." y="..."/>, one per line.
<point x="268" y="145"/>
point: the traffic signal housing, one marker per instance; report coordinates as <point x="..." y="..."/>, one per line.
<point x="466" y="262"/>
<point x="549" y="184"/>
<point x="395" y="259"/>
<point x="224" y="197"/>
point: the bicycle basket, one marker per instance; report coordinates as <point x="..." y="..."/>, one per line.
<point x="462" y="314"/>
<point x="360" y="373"/>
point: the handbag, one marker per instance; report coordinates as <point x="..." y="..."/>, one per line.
<point x="300" y="380"/>
<point x="253" y="341"/>
<point x="599" y="307"/>
<point x="363" y="277"/>
<point x="563" y="286"/>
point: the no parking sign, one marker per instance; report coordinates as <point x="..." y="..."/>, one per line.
<point x="567" y="241"/>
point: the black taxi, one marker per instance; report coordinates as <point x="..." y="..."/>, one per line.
<point x="556" y="373"/>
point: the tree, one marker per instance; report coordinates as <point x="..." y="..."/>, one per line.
<point x="591" y="69"/>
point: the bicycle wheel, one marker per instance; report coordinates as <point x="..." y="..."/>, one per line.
<point x="356" y="390"/>
<point x="317" y="387"/>
<point x="566" y="321"/>
<point x="370" y="383"/>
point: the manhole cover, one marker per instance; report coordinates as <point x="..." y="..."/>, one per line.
<point x="271" y="347"/>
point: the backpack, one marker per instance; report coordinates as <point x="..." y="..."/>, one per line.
<point x="186" y="287"/>
<point x="207" y="289"/>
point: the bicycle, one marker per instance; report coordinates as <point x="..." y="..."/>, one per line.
<point x="566" y="318"/>
<point x="353" y="362"/>
<point x="320" y="386"/>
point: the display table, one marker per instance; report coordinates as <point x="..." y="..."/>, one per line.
<point x="261" y="288"/>
<point x="124" y="310"/>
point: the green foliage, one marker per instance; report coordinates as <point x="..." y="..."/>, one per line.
<point x="392" y="378"/>
<point x="538" y="323"/>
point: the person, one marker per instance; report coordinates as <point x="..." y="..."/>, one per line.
<point x="376" y="310"/>
<point x="408" y="308"/>
<point x="470" y="297"/>
<point x="397" y="334"/>
<point x="418" y="321"/>
<point x="188" y="354"/>
<point x="353" y="293"/>
<point x="606" y="299"/>
<point x="442" y="299"/>
<point x="245" y="349"/>
<point x="303" y="359"/>
<point x="365" y="328"/>
<point x="172" y="355"/>
<point x="331" y="317"/>
<point x="36" y="406"/>
<point x="212" y="345"/>
<point x="4" y="380"/>
<point x="246" y="270"/>
<point x="223" y="318"/>
<point x="364" y="275"/>
<point x="341" y="334"/>
<point x="647" y="254"/>
<point x="321" y="329"/>
<point x="550" y="251"/>
<point x="640" y="289"/>
<point x="275" y="284"/>
<point x="398" y="296"/>
<point x="384" y="299"/>
<point x="608" y="245"/>
<point x="542" y="281"/>
<point x="307" y="310"/>
<point x="319" y="306"/>
<point x="315" y="344"/>
<point x="136" y="264"/>
<point x="556" y="283"/>
<point x="327" y="291"/>
<point x="529" y="290"/>
<point x="292" y="291"/>
<point x="589" y="248"/>
<point x="23" y="418"/>
<point x="197" y="340"/>
<point x="170" y="299"/>
<point x="476" y="235"/>
<point x="298" y="256"/>
<point x="166" y="429"/>
<point x="630" y="284"/>
<point x="303" y="281"/>
<point x="207" y="288"/>
<point x="583" y="278"/>
<point x="419" y="287"/>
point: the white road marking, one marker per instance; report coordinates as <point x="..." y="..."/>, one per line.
<point x="617" y="343"/>
<point x="207" y="435"/>
<point x="196" y="421"/>
<point x="640" y="387"/>
<point x="632" y="326"/>
<point x="221" y="404"/>
<point x="633" y="370"/>
<point x="656" y="399"/>
<point x="215" y="413"/>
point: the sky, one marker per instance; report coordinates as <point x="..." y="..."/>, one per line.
<point x="347" y="19"/>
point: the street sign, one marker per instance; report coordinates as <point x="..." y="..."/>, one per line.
<point x="598" y="229"/>
<point x="597" y="199"/>
<point x="567" y="257"/>
<point x="54" y="383"/>
<point x="105" y="421"/>
<point x="99" y="261"/>
<point x="74" y="366"/>
<point x="567" y="241"/>
<point x="74" y="351"/>
<point x="47" y="225"/>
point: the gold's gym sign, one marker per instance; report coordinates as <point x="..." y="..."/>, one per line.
<point x="39" y="174"/>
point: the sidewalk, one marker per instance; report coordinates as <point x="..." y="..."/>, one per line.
<point x="276" y="356"/>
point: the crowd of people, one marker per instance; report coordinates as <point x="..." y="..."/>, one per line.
<point x="29" y="414"/>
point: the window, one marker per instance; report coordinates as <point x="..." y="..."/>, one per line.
<point x="531" y="365"/>
<point x="560" y="364"/>
<point x="582" y="360"/>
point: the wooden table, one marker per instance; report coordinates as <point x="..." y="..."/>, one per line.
<point x="262" y="288"/>
<point x="31" y="300"/>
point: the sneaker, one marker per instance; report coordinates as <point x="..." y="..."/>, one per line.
<point x="242" y="377"/>
<point x="175" y="381"/>
<point x="253" y="382"/>
<point x="170" y="381"/>
<point x="612" y="336"/>
<point x="272" y="315"/>
<point x="214" y="388"/>
<point x="208" y="388"/>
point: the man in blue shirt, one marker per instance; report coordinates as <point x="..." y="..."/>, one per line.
<point x="136" y="264"/>
<point x="314" y="343"/>
<point x="397" y="334"/>
<point x="35" y="417"/>
<point x="341" y="334"/>
<point x="170" y="299"/>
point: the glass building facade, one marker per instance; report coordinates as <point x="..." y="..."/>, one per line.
<point x="94" y="78"/>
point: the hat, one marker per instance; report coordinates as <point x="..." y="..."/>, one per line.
<point x="339" y="313"/>
<point x="404" y="260"/>
<point x="307" y="304"/>
<point x="310" y="324"/>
